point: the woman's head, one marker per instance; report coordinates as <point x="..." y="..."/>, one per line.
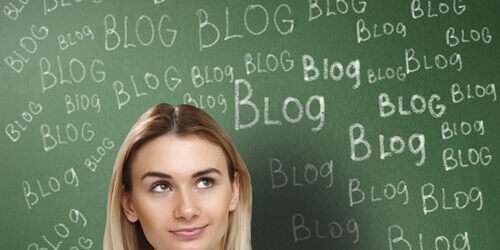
<point x="178" y="182"/>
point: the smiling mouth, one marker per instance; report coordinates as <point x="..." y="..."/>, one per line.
<point x="188" y="233"/>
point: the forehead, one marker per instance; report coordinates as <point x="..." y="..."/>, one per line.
<point x="178" y="156"/>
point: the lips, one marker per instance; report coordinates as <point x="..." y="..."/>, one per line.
<point x="188" y="233"/>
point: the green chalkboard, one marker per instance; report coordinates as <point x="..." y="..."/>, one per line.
<point x="364" y="124"/>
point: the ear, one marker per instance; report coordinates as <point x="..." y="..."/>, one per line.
<point x="128" y="207"/>
<point x="235" y="192"/>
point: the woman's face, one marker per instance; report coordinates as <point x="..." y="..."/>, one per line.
<point x="181" y="193"/>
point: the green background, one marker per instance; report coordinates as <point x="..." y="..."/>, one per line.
<point x="295" y="145"/>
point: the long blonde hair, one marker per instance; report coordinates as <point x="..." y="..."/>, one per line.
<point x="181" y="120"/>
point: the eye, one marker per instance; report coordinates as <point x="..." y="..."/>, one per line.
<point x="160" y="187"/>
<point x="205" y="182"/>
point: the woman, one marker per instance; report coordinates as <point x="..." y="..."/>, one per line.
<point x="178" y="183"/>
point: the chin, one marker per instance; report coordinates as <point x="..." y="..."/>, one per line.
<point x="198" y="244"/>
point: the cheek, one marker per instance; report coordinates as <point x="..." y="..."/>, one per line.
<point x="153" y="212"/>
<point x="218" y="215"/>
<point x="217" y="206"/>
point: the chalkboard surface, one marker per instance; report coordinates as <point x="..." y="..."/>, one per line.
<point x="364" y="124"/>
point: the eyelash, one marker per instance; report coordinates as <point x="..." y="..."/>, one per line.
<point x="158" y="184"/>
<point x="203" y="179"/>
<point x="168" y="186"/>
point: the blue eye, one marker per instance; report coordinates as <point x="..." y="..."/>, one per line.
<point x="160" y="188"/>
<point x="205" y="183"/>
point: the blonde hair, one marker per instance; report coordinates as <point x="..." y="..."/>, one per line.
<point x="181" y="120"/>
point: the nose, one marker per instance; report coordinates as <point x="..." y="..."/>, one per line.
<point x="186" y="206"/>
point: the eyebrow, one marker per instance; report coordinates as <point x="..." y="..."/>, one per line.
<point x="166" y="176"/>
<point x="206" y="171"/>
